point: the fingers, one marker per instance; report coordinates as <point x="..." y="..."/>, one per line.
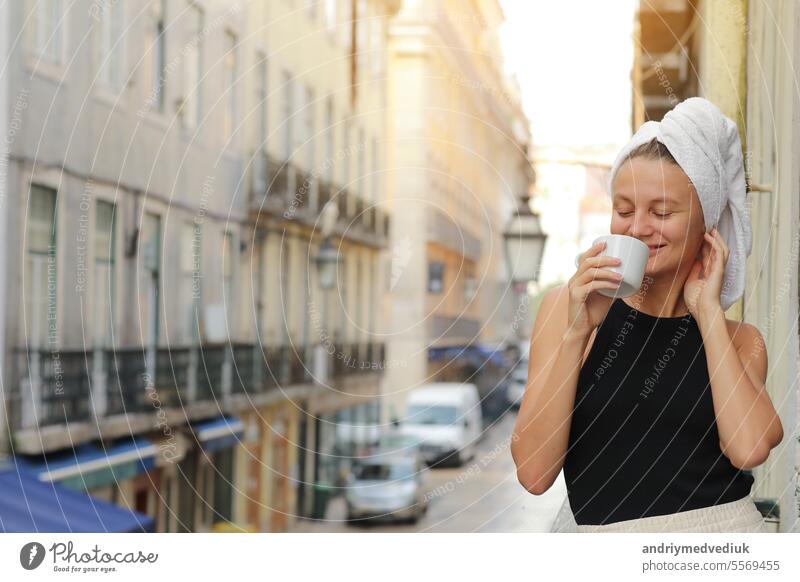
<point x="717" y="248"/>
<point x="591" y="252"/>
<point x="720" y="244"/>
<point x="593" y="269"/>
<point x="580" y="293"/>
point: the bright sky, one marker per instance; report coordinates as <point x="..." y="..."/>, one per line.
<point x="573" y="61"/>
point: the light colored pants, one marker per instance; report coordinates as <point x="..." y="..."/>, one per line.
<point x="740" y="516"/>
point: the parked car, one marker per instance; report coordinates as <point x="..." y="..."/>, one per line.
<point x="400" y="442"/>
<point x="517" y="382"/>
<point x="387" y="485"/>
<point x="446" y="417"/>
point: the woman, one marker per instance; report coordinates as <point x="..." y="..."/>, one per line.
<point x="654" y="404"/>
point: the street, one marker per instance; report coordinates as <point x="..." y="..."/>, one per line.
<point x="481" y="496"/>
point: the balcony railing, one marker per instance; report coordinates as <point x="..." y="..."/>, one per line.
<point x="61" y="387"/>
<point x="275" y="185"/>
<point x="356" y="358"/>
<point x="54" y="387"/>
<point x="280" y="188"/>
<point x="79" y="386"/>
<point x="324" y="193"/>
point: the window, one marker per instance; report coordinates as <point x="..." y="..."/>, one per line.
<point x="228" y="274"/>
<point x="432" y="414"/>
<point x="155" y="73"/>
<point x="288" y="110"/>
<point x="347" y="26"/>
<point x="346" y="154"/>
<point x="330" y="15"/>
<point x="376" y="50"/>
<point x="104" y="288"/>
<point x="309" y="129"/>
<point x="193" y="69"/>
<point x="329" y="135"/>
<point x="112" y="41"/>
<point x="362" y="32"/>
<point x="376" y="165"/>
<point x="48" y="30"/>
<point x="435" y="277"/>
<point x="261" y="100"/>
<point x="191" y="242"/>
<point x="361" y="167"/>
<point x="231" y="74"/>
<point x="150" y="281"/>
<point x="259" y="154"/>
<point x="40" y="268"/>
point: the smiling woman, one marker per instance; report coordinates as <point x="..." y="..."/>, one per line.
<point x="672" y="457"/>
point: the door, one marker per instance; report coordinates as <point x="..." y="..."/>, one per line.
<point x="151" y="274"/>
<point x="280" y="489"/>
<point x="253" y="488"/>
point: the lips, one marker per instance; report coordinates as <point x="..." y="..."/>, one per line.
<point x="653" y="247"/>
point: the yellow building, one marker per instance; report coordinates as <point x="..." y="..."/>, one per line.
<point x="458" y="163"/>
<point x="736" y="54"/>
<point x="315" y="92"/>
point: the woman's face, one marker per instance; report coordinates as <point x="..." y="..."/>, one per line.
<point x="655" y="202"/>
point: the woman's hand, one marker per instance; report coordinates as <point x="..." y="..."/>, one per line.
<point x="703" y="287"/>
<point x="587" y="308"/>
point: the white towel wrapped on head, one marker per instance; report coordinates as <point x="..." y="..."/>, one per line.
<point x="706" y="145"/>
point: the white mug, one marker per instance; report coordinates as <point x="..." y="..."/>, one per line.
<point x="633" y="254"/>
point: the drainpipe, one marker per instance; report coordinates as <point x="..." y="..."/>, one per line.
<point x="5" y="35"/>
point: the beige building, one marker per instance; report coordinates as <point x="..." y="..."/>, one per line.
<point x="743" y="56"/>
<point x="166" y="179"/>
<point x="458" y="162"/>
<point x="315" y="125"/>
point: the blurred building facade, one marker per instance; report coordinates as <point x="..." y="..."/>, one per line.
<point x="458" y="153"/>
<point x="316" y="133"/>
<point x="168" y="169"/>
<point x="744" y="56"/>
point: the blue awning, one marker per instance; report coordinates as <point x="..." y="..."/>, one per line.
<point x="477" y="355"/>
<point x="219" y="433"/>
<point x="89" y="466"/>
<point x="30" y="505"/>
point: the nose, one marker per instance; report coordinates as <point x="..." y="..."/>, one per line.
<point x="640" y="227"/>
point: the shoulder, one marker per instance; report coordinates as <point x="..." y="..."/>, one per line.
<point x="745" y="336"/>
<point x="554" y="296"/>
<point x="551" y="315"/>
<point x="751" y="348"/>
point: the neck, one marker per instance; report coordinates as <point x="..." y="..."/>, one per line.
<point x="661" y="299"/>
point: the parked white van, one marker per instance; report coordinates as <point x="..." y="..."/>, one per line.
<point x="446" y="418"/>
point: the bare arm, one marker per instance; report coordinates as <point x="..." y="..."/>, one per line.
<point x="541" y="433"/>
<point x="746" y="420"/>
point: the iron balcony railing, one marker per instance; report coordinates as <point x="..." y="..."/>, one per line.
<point x="60" y="386"/>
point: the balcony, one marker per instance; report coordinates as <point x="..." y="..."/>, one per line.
<point x="282" y="190"/>
<point x="444" y="230"/>
<point x="270" y="185"/>
<point x="356" y="358"/>
<point x="59" y="385"/>
<point x="324" y="193"/>
<point x="108" y="393"/>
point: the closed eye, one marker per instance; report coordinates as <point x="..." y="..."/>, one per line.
<point x="626" y="214"/>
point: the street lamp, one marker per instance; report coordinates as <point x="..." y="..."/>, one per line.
<point x="327" y="261"/>
<point x="524" y="244"/>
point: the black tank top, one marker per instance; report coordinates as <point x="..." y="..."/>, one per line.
<point x="643" y="440"/>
